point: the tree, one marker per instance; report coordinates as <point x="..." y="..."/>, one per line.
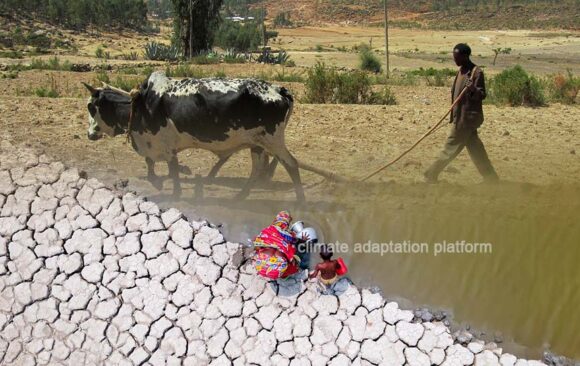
<point x="497" y="51"/>
<point x="194" y="23"/>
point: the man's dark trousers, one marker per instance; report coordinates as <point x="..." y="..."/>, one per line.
<point x="458" y="139"/>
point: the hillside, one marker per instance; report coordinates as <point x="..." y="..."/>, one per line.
<point x="432" y="14"/>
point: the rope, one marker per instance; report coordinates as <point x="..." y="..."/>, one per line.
<point x="431" y="131"/>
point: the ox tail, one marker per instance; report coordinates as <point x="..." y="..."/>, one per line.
<point x="324" y="173"/>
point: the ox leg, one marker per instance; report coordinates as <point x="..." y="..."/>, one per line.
<point x="291" y="165"/>
<point x="270" y="170"/>
<point x="258" y="156"/>
<point x="174" y="174"/>
<point x="156" y="181"/>
<point x="216" y="168"/>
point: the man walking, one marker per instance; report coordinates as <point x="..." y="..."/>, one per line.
<point x="466" y="118"/>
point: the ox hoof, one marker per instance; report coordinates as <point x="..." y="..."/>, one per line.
<point x="183" y="169"/>
<point x="156" y="182"/>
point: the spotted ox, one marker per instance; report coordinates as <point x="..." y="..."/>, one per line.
<point x="219" y="115"/>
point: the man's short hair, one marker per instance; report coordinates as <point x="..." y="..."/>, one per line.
<point x="325" y="252"/>
<point x="463" y="49"/>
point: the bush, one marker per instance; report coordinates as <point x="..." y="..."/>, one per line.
<point x="131" y="56"/>
<point x="208" y="59"/>
<point x="127" y="84"/>
<point x="101" y="53"/>
<point x="292" y="77"/>
<point x="102" y="76"/>
<point x="327" y="85"/>
<point x="38" y="39"/>
<point x="515" y="87"/>
<point x="240" y="37"/>
<point x="283" y="20"/>
<point x="383" y="97"/>
<point x="160" y="52"/>
<point x="185" y="71"/>
<point x="12" y="54"/>
<point x="564" y="88"/>
<point x="50" y="91"/>
<point x="233" y="57"/>
<point x="369" y="62"/>
<point x="434" y="77"/>
<point x="276" y="58"/>
<point x="10" y="75"/>
<point x="320" y="84"/>
<point x="52" y="64"/>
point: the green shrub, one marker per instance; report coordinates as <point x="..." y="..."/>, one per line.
<point x="369" y="62"/>
<point x="515" y="87"/>
<point x="127" y="84"/>
<point x="161" y="52"/>
<point x="434" y="77"/>
<point x="292" y="77"/>
<point x="282" y="19"/>
<point x="361" y="47"/>
<point x="53" y="63"/>
<point x="327" y="85"/>
<point x="233" y="57"/>
<point x="384" y="97"/>
<point x="102" y="76"/>
<point x="11" y="54"/>
<point x="100" y="52"/>
<point x="131" y="56"/>
<point x="320" y="84"/>
<point x="208" y="59"/>
<point x="240" y="37"/>
<point x="564" y="88"/>
<point x="147" y="70"/>
<point x="185" y="71"/>
<point x="49" y="91"/>
<point x="38" y="39"/>
<point x="10" y="75"/>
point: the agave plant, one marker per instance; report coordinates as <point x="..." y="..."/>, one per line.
<point x="160" y="52"/>
<point x="269" y="57"/>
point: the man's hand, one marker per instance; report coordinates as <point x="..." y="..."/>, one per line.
<point x="470" y="85"/>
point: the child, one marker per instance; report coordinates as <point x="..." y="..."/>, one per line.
<point x="328" y="270"/>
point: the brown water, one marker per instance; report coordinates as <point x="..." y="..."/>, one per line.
<point x="528" y="288"/>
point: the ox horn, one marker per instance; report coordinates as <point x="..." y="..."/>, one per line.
<point x="120" y="91"/>
<point x="91" y="88"/>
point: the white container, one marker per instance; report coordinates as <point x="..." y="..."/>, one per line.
<point x="297" y="227"/>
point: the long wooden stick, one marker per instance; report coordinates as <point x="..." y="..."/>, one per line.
<point x="457" y="100"/>
<point x="324" y="173"/>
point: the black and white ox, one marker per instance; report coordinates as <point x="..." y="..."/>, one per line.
<point x="219" y="115"/>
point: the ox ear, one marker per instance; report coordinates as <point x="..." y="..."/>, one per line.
<point x="94" y="91"/>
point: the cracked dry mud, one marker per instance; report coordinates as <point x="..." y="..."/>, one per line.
<point x="90" y="275"/>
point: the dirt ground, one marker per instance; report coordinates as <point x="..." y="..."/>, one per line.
<point x="537" y="146"/>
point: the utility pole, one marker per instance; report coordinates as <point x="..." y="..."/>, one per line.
<point x="387" y="39"/>
<point x="190" y="29"/>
